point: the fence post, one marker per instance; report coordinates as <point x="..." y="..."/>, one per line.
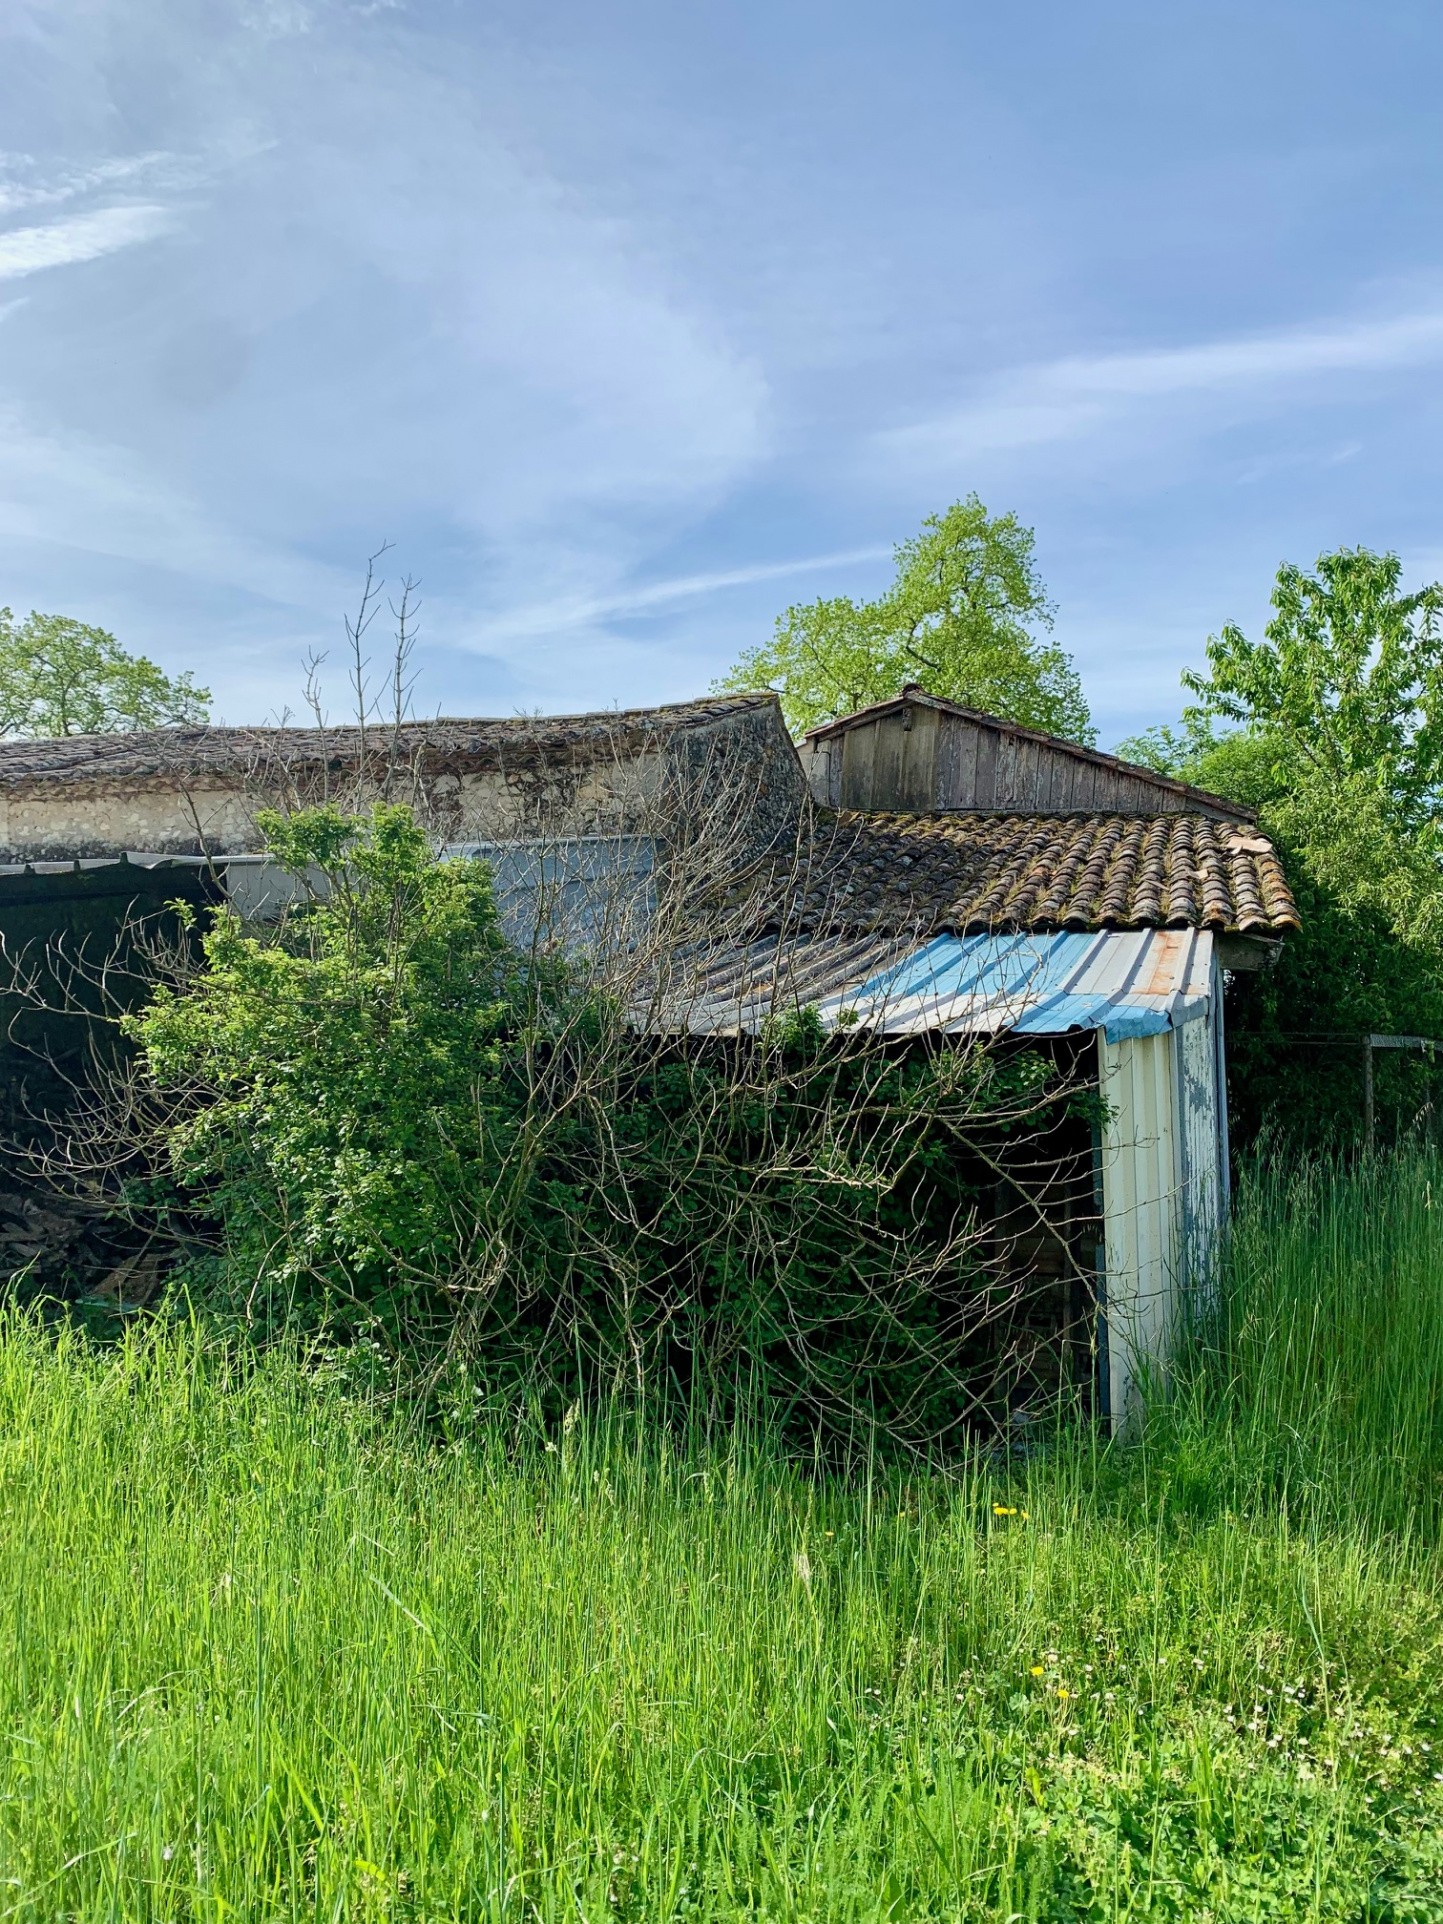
<point x="1368" y="1094"/>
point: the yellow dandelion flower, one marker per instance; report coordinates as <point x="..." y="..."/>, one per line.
<point x="1063" y="1691"/>
<point x="1036" y="1670"/>
<point x="1003" y="1509"/>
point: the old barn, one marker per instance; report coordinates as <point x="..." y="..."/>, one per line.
<point x="916" y="868"/>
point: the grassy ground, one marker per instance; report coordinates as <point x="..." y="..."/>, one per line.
<point x="268" y="1656"/>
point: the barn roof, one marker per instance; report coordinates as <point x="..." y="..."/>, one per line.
<point x="481" y="743"/>
<point x="964" y="873"/>
<point x="969" y="871"/>
<point x="1125" y="983"/>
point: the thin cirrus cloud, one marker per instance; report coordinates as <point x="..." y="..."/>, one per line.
<point x="1071" y="397"/>
<point x="84" y="237"/>
<point x="579" y="611"/>
<point x="17" y="192"/>
<point x="95" y="499"/>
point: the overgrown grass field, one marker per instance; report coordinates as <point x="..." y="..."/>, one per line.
<point x="270" y="1654"/>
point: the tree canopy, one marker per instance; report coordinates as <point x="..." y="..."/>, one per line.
<point x="1331" y="727"/>
<point x="958" y="617"/>
<point x="60" y="677"/>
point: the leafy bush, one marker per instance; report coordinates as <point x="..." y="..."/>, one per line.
<point x="398" y="1126"/>
<point x="338" y="1088"/>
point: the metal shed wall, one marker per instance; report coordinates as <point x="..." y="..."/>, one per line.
<point x="1202" y="1146"/>
<point x="1164" y="1194"/>
<point x="1142" y="1217"/>
<point x="1154" y="999"/>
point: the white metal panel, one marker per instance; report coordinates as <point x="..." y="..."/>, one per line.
<point x="571" y="892"/>
<point x="1141" y="1192"/>
<point x="259" y="891"/>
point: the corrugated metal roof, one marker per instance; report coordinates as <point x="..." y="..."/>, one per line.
<point x="132" y="858"/>
<point x="1126" y="983"/>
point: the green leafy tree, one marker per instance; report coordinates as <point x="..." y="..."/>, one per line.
<point x="1331" y="727"/>
<point x="1346" y="687"/>
<point x="958" y="618"/>
<point x="61" y="677"/>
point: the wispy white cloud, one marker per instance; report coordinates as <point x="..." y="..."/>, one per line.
<point x="76" y="491"/>
<point x="1063" y="399"/>
<point x="85" y="237"/>
<point x="24" y="188"/>
<point x="578" y="611"/>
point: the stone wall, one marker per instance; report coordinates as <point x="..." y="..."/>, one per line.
<point x="670" y="772"/>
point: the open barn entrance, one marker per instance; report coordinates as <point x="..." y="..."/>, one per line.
<point x="70" y="934"/>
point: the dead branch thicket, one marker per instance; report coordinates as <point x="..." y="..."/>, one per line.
<point x="865" y="1229"/>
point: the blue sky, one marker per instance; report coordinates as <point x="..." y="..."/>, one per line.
<point x="629" y="325"/>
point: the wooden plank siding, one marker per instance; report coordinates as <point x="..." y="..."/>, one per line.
<point x="920" y="778"/>
<point x="919" y="754"/>
<point x="986" y="783"/>
<point x="859" y="752"/>
<point x="889" y="761"/>
<point x="943" y="762"/>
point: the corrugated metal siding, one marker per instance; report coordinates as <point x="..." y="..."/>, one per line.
<point x="570" y="892"/>
<point x="1142" y="1211"/>
<point x="1133" y="982"/>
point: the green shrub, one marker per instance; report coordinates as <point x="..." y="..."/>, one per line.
<point x="401" y="1128"/>
<point x="319" y="1078"/>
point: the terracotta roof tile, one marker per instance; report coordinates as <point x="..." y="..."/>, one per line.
<point x="974" y="871"/>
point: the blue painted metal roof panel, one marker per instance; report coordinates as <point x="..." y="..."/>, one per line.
<point x="1126" y="983"/>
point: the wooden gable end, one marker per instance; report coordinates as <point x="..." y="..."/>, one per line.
<point x="918" y="755"/>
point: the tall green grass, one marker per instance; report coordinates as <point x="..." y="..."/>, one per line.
<point x="270" y="1654"/>
<point x="1318" y="1390"/>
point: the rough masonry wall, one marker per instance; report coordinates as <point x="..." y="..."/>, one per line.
<point x="670" y="781"/>
<point x="53" y="823"/>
